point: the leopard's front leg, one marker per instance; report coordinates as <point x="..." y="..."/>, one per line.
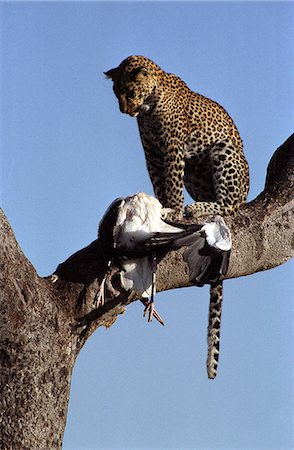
<point x="166" y="171"/>
<point x="174" y="182"/>
<point x="156" y="173"/>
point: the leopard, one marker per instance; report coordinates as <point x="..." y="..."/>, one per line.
<point x="189" y="141"/>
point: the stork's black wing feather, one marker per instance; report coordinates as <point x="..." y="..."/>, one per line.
<point x="225" y="263"/>
<point x="195" y="239"/>
<point x="161" y="243"/>
<point x="171" y="240"/>
<point x="106" y="226"/>
<point x="109" y="219"/>
<point x="206" y="264"/>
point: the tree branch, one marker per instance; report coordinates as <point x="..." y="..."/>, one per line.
<point x="262" y="233"/>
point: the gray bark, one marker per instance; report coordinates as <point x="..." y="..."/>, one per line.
<point x="41" y="333"/>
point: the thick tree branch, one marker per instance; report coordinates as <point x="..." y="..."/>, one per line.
<point x="262" y="232"/>
<point x="39" y="333"/>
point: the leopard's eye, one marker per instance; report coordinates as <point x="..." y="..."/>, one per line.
<point x="131" y="94"/>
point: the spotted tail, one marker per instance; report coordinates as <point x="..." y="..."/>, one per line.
<point x="213" y="332"/>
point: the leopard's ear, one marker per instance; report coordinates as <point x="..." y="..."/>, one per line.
<point x="112" y="73"/>
<point x="140" y="73"/>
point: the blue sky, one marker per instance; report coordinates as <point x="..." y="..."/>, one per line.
<point x="67" y="152"/>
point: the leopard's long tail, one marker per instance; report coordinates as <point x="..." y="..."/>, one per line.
<point x="213" y="332"/>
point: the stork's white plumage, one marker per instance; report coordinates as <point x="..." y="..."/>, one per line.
<point x="218" y="234"/>
<point x="139" y="217"/>
<point x="134" y="237"/>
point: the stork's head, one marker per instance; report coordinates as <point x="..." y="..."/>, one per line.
<point x="134" y="82"/>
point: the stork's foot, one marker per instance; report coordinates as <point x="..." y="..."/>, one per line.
<point x="149" y="307"/>
<point x="99" y="298"/>
<point x="155" y="313"/>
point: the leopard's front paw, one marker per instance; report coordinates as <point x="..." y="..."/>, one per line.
<point x="171" y="215"/>
<point x="165" y="212"/>
<point x="196" y="212"/>
<point x="190" y="211"/>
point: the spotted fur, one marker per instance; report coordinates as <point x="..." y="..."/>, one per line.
<point x="189" y="140"/>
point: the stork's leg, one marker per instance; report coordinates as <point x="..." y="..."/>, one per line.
<point x="99" y="298"/>
<point x="214" y="323"/>
<point x="150" y="305"/>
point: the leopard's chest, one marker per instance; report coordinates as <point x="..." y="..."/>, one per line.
<point x="154" y="130"/>
<point x="160" y="139"/>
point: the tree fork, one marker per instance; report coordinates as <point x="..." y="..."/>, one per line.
<point x="41" y="332"/>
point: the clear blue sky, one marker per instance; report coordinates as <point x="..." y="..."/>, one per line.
<point x="68" y="152"/>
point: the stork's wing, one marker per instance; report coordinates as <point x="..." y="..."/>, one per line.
<point x="106" y="225"/>
<point x="225" y="263"/>
<point x="206" y="263"/>
<point x="170" y="240"/>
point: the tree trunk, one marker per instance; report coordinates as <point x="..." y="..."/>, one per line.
<point x="41" y="333"/>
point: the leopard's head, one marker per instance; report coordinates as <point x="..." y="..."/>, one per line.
<point x="134" y="81"/>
